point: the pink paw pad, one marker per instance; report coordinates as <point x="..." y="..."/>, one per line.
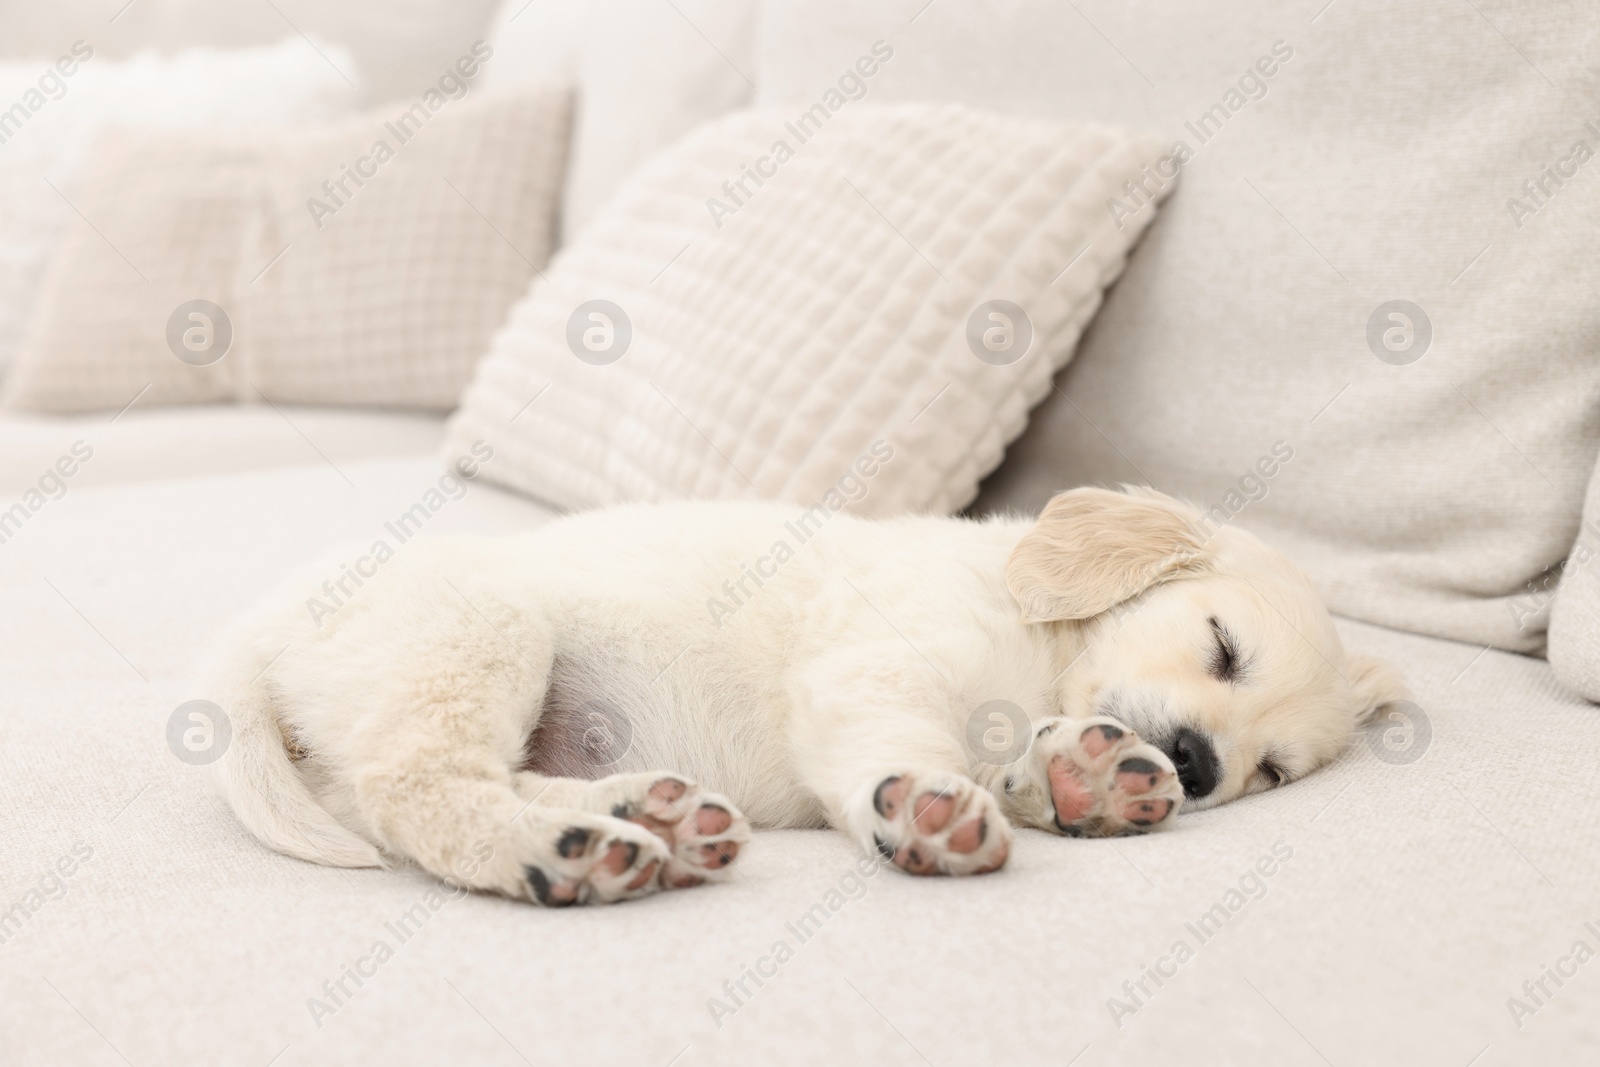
<point x="932" y="812"/>
<point x="667" y="792"/>
<point x="1098" y="739"/>
<point x="645" y="875"/>
<point x="619" y="857"/>
<point x="711" y="819"/>
<point x="1073" y="797"/>
<point x="1146" y="812"/>
<point x="968" y="836"/>
<point x="1137" y="776"/>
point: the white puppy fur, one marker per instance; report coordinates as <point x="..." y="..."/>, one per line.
<point x="545" y="715"/>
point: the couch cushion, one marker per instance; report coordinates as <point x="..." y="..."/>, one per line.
<point x="1407" y="901"/>
<point x="645" y="73"/>
<point x="1572" y="597"/>
<point x="1341" y="159"/>
<point x="149" y="446"/>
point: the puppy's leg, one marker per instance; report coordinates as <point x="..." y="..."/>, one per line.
<point x="453" y="810"/>
<point x="423" y="749"/>
<point x="1093" y="778"/>
<point x="702" y="830"/>
<point x="869" y="743"/>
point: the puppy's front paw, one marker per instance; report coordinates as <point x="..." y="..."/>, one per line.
<point x="937" y="823"/>
<point x="1095" y="778"/>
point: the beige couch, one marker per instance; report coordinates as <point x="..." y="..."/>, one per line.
<point x="1419" y="902"/>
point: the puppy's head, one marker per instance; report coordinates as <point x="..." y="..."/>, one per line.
<point x="1211" y="646"/>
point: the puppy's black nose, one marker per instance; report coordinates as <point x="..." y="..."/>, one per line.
<point x="1196" y="760"/>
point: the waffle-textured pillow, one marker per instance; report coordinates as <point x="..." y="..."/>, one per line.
<point x="783" y="301"/>
<point x="53" y="108"/>
<point x="366" y="262"/>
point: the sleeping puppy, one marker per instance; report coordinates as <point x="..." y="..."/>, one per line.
<point x="603" y="708"/>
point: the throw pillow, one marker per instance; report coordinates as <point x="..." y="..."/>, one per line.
<point x="783" y="300"/>
<point x="52" y="109"/>
<point x="366" y="262"/>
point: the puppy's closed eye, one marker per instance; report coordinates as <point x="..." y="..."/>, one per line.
<point x="1270" y="773"/>
<point x="1225" y="665"/>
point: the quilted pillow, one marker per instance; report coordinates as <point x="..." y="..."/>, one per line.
<point x="364" y="262"/>
<point x="782" y="303"/>
<point x="52" y="109"/>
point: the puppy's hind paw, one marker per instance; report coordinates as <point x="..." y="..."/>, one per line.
<point x="577" y="858"/>
<point x="703" y="830"/>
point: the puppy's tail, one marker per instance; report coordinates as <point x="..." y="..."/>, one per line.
<point x="258" y="777"/>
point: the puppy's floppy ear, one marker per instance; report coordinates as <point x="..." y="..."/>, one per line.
<point x="1375" y="684"/>
<point x="1094" y="548"/>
